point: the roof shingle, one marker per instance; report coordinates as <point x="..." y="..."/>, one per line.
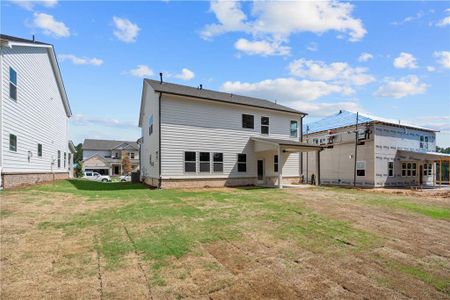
<point x="92" y="144"/>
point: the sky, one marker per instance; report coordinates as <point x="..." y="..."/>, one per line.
<point x="389" y="59"/>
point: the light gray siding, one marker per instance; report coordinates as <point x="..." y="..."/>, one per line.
<point x="207" y="126"/>
<point x="37" y="117"/>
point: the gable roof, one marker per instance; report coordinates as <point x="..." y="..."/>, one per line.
<point x="12" y="41"/>
<point x="345" y="118"/>
<point x="184" y="90"/>
<point x="92" y="144"/>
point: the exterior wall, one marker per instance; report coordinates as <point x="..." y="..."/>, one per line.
<point x="150" y="156"/>
<point x="390" y="139"/>
<point x="37" y="117"/>
<point x="12" y="180"/>
<point x="337" y="163"/>
<point x="207" y="126"/>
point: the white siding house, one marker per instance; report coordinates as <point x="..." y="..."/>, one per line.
<point x="34" y="114"/>
<point x="197" y="137"/>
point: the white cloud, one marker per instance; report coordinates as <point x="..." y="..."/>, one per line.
<point x="324" y="109"/>
<point x="125" y="30"/>
<point x="408" y="19"/>
<point x="185" y="74"/>
<point x="264" y="48"/>
<point x="312" y="47"/>
<point x="83" y="120"/>
<point x="141" y="71"/>
<point x="405" y="86"/>
<point x="445" y="21"/>
<point x="441" y="123"/>
<point x="275" y="21"/>
<point x="286" y="89"/>
<point x="443" y="58"/>
<point x="405" y="61"/>
<point x="81" y="60"/>
<point x="29" y="5"/>
<point x="338" y="71"/>
<point x="431" y="69"/>
<point x="365" y="57"/>
<point x="50" y="26"/>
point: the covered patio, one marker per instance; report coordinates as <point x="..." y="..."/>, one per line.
<point x="438" y="160"/>
<point x="282" y="149"/>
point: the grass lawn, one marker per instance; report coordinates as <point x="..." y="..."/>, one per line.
<point x="83" y="239"/>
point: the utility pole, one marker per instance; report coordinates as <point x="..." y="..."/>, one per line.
<point x="356" y="149"/>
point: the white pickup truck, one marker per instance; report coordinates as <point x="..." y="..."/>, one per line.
<point x="96" y="177"/>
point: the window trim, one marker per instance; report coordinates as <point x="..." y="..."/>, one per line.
<point x="253" y="121"/>
<point x="265" y="125"/>
<point x="391" y="169"/>
<point x="242" y="163"/>
<point x="361" y="169"/>
<point x="296" y="129"/>
<point x="39" y="150"/>
<point x="217" y="162"/>
<point x="204" y="162"/>
<point x="15" y="143"/>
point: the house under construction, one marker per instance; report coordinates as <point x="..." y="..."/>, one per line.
<point x="368" y="151"/>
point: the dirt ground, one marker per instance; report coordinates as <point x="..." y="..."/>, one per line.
<point x="405" y="254"/>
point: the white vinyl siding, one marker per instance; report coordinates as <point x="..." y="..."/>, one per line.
<point x="207" y="126"/>
<point x="38" y="115"/>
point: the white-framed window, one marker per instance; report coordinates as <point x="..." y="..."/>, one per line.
<point x="264" y="125"/>
<point x="421" y="141"/>
<point x="190" y="162"/>
<point x="293" y="128"/>
<point x="391" y="169"/>
<point x="13" y="142"/>
<point x="150" y="125"/>
<point x="242" y="162"/>
<point x="12" y="84"/>
<point x="427" y="169"/>
<point x="65" y="159"/>
<point x="59" y="158"/>
<point x="132" y="155"/>
<point x="275" y="163"/>
<point x="361" y="168"/>
<point x="248" y="121"/>
<point x="205" y="162"/>
<point x="426" y="142"/>
<point x="409" y="169"/>
<point x="39" y="150"/>
<point x="218" y="162"/>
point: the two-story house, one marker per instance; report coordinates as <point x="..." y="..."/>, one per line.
<point x="34" y="114"/>
<point x="193" y="137"/>
<point x="105" y="156"/>
<point x="378" y="153"/>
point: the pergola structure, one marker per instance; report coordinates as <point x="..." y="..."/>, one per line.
<point x="280" y="147"/>
<point x="436" y="158"/>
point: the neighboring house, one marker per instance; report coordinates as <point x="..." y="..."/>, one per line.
<point x="34" y="114"/>
<point x="105" y="156"/>
<point x="72" y="151"/>
<point x="192" y="137"/>
<point x="388" y="153"/>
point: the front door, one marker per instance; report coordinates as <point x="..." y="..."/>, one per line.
<point x="260" y="171"/>
<point x="116" y="170"/>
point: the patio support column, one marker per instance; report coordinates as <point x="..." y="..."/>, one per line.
<point x="440" y="173"/>
<point x="433" y="173"/>
<point x="280" y="168"/>
<point x="317" y="167"/>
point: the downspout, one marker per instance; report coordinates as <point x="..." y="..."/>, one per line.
<point x="159" y="137"/>
<point x="356" y="149"/>
<point x="1" y="122"/>
<point x="301" y="153"/>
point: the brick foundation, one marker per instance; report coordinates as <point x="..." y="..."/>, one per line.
<point x="13" y="180"/>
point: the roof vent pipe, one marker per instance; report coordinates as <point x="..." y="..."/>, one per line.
<point x="161" y="78"/>
<point x="33" y="38"/>
<point x="201" y="86"/>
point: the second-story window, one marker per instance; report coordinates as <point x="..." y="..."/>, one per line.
<point x="421" y="141"/>
<point x="12" y="83"/>
<point x="294" y="128"/>
<point x="265" y="125"/>
<point x="248" y="121"/>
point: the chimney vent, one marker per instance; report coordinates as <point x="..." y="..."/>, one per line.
<point x="33" y="38"/>
<point x="161" y="78"/>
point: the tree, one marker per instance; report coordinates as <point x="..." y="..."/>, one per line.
<point x="126" y="163"/>
<point x="78" y="156"/>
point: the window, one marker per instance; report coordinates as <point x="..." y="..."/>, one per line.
<point x="218" y="162"/>
<point x="316" y="141"/>
<point x="404" y="169"/>
<point x="426" y="142"/>
<point x="265" y="125"/>
<point x="132" y="155"/>
<point x="116" y="155"/>
<point x="65" y="158"/>
<point x="59" y="159"/>
<point x="242" y="162"/>
<point x="414" y="170"/>
<point x="204" y="162"/>
<point x="409" y="169"/>
<point x="360" y="168"/>
<point x="427" y="169"/>
<point x="248" y="121"/>
<point x="190" y="162"/>
<point x="13" y="142"/>
<point x="294" y="127"/>
<point x="275" y="163"/>
<point x="12" y="83"/>
<point x="39" y="150"/>
<point x="391" y="169"/>
<point x="150" y="125"/>
<point x="421" y="141"/>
